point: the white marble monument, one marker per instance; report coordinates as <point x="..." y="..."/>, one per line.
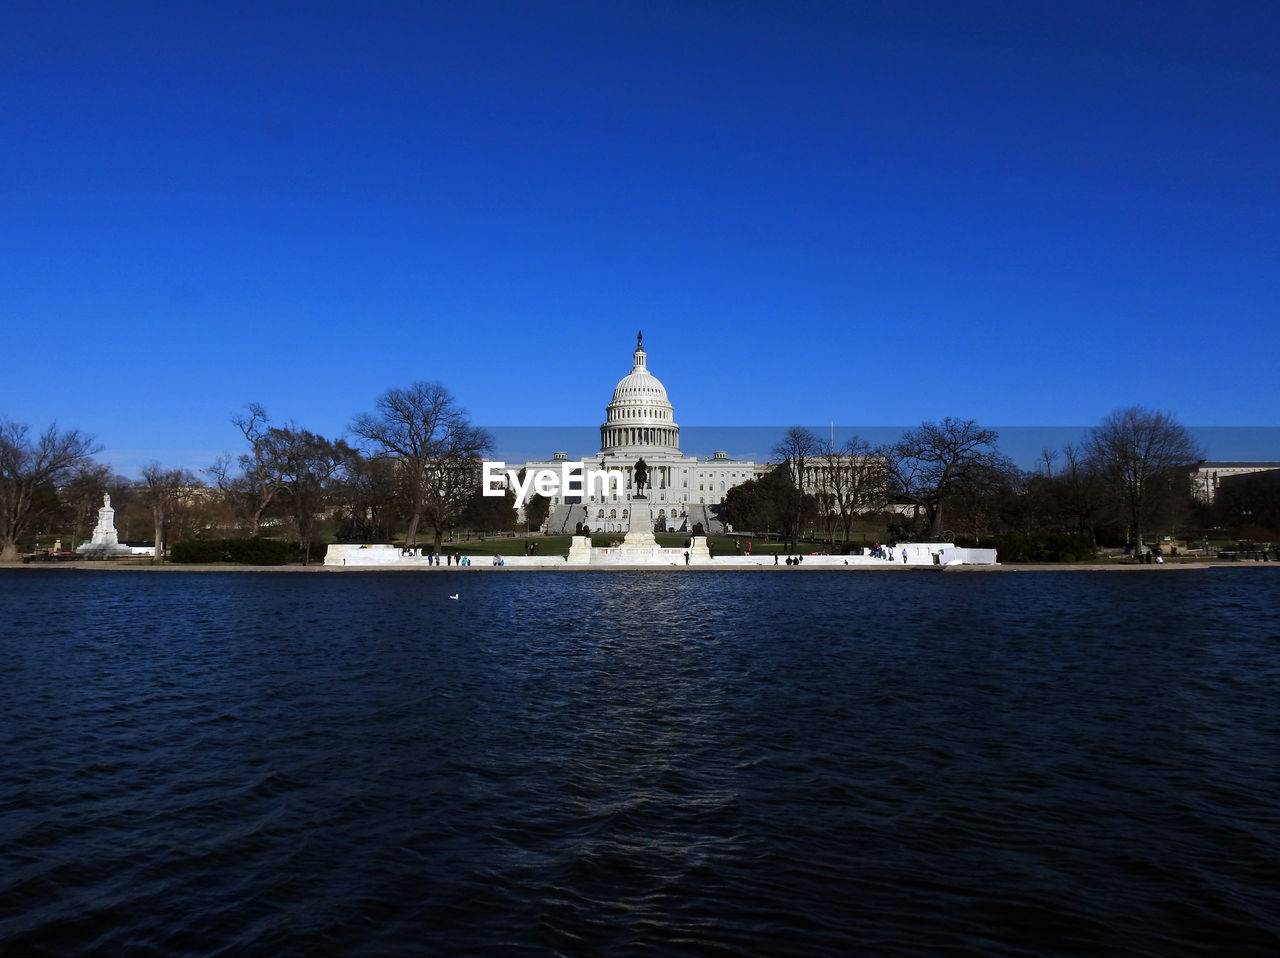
<point x="106" y="540"/>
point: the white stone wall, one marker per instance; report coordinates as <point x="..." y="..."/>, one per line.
<point x="581" y="554"/>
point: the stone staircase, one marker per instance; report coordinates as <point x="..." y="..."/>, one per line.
<point x="702" y="513"/>
<point x="564" y="519"/>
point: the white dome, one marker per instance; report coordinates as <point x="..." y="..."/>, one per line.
<point x="640" y="416"/>
<point x="641" y="384"/>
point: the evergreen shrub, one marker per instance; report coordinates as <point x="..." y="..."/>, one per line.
<point x="257" y="551"/>
<point x="1042" y="547"/>
<point x="198" y="550"/>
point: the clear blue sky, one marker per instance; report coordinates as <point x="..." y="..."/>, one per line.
<point x="1025" y="213"/>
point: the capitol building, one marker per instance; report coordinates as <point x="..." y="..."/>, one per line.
<point x="640" y="423"/>
<point x="682" y="494"/>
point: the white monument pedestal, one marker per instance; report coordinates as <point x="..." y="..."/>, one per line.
<point x="640" y="528"/>
<point x="106" y="540"/>
<point x="580" y="551"/>
<point x="699" y="551"/>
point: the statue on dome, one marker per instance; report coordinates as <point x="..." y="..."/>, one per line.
<point x="641" y="477"/>
<point x="640" y="339"/>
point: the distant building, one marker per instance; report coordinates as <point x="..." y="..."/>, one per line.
<point x="684" y="491"/>
<point x="1251" y="501"/>
<point x="1208" y="476"/>
<point x="640" y="423"/>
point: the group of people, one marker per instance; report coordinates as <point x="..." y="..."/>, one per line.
<point x="451" y="558"/>
<point x="886" y="552"/>
<point x="433" y="558"/>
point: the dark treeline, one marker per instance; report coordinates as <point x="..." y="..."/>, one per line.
<point x="409" y="471"/>
<point x="1129" y="481"/>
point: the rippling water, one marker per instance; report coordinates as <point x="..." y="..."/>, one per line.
<point x="639" y="763"/>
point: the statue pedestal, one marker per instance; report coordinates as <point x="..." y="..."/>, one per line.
<point x="640" y="525"/>
<point x="698" y="550"/>
<point x="106" y="540"/>
<point x="579" y="551"/>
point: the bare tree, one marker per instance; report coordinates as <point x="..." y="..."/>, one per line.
<point x="796" y="451"/>
<point x="1137" y="453"/>
<point x="436" y="449"/>
<point x="937" y="461"/>
<point x="261" y="468"/>
<point x="28" y="464"/>
<point x="162" y="490"/>
<point x="365" y="499"/>
<point x="312" y="465"/>
<point x="853" y="476"/>
<point x="1047" y="458"/>
<point x="1083" y="495"/>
